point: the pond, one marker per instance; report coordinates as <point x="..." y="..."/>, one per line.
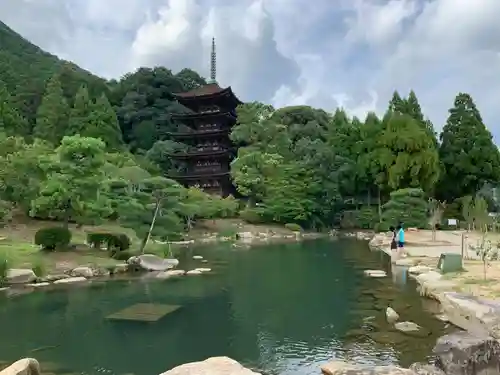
<point x="281" y="309"/>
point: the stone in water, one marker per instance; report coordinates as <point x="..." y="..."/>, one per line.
<point x="375" y="273"/>
<point x="144" y="312"/>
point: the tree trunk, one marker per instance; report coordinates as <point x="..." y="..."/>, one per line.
<point x="379" y="206"/>
<point x="155" y="215"/>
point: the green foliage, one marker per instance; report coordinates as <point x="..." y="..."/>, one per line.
<point x="11" y="122"/>
<point x="53" y="238"/>
<point x="122" y="255"/>
<point x="103" y="124"/>
<point x="4" y="267"/>
<point x="80" y="114"/>
<point x="52" y="114"/>
<point x="39" y="268"/>
<point x="113" y="241"/>
<point x="366" y="218"/>
<point x="408" y="206"/>
<point x="293" y="227"/>
<point x="467" y="152"/>
<point x="252" y="216"/>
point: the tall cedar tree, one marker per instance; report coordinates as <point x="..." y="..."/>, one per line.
<point x="468" y="155"/>
<point x="52" y="114"/>
<point x="104" y="124"/>
<point x="79" y="115"/>
<point x="11" y="122"/>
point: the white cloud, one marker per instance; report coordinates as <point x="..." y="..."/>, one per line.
<point x="352" y="53"/>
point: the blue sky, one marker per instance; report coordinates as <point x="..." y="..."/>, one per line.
<point x="324" y="53"/>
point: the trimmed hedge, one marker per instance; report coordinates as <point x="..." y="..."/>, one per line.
<point x="293" y="227"/>
<point x="53" y="238"/>
<point x="113" y="241"/>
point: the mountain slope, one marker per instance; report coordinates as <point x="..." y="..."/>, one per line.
<point x="25" y="68"/>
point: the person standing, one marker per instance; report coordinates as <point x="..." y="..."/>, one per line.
<point x="400" y="237"/>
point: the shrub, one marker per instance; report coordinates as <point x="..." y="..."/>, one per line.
<point x="367" y="217"/>
<point x="4" y="267"/>
<point x="251" y="216"/>
<point x="408" y="206"/>
<point x="39" y="268"/>
<point x="293" y="227"/>
<point x="113" y="241"/>
<point x="53" y="238"/>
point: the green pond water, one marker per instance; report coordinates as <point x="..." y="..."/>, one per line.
<point x="281" y="309"/>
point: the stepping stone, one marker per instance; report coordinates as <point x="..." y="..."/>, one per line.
<point x="375" y="273"/>
<point x="144" y="312"/>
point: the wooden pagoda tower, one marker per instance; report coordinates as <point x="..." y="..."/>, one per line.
<point x="206" y="134"/>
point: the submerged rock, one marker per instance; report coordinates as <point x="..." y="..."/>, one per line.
<point x="345" y="368"/>
<point x="375" y="273"/>
<point x="171" y="273"/>
<point x="211" y="366"/>
<point x="391" y="315"/>
<point x="71" y="280"/>
<point x="463" y="353"/>
<point x="194" y="272"/>
<point x="20" y="276"/>
<point x="25" y="366"/>
<point x="412" y="329"/>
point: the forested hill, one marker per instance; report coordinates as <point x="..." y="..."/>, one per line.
<point x="25" y="69"/>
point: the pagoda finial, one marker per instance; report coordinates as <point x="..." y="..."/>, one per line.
<point x="213" y="63"/>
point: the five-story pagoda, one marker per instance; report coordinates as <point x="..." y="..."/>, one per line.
<point x="206" y="134"/>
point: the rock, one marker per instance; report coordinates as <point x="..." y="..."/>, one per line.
<point x="197" y="257"/>
<point x="419" y="269"/>
<point x="52" y="278"/>
<point x="211" y="366"/>
<point x="388" y="337"/>
<point x="82" y="271"/>
<point x="463" y="353"/>
<point x="204" y="261"/>
<point x="344" y="368"/>
<point x="408" y="262"/>
<point x="375" y="273"/>
<point x="391" y="315"/>
<point x="194" y="272"/>
<point x="203" y="269"/>
<point x="432" y="285"/>
<point x="407" y="326"/>
<point x="171" y="273"/>
<point x="25" y="366"/>
<point x="20" y="276"/>
<point x="150" y="262"/>
<point x="121" y="268"/>
<point x="71" y="280"/>
<point x="425" y="369"/>
<point x="38" y="285"/>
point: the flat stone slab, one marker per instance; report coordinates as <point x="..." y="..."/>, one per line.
<point x="211" y="366"/>
<point x="152" y="262"/>
<point x="375" y="273"/>
<point x="345" y="368"/>
<point x="144" y="312"/>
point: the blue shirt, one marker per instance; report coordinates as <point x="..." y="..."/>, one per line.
<point x="401" y="235"/>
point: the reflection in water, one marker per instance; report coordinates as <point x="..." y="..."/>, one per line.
<point x="283" y="309"/>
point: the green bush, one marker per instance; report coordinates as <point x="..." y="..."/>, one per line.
<point x="113" y="241"/>
<point x="293" y="227"/>
<point x="53" y="238"/>
<point x="408" y="206"/>
<point x="39" y="268"/>
<point x="4" y="267"/>
<point x="367" y="217"/>
<point x="251" y="216"/>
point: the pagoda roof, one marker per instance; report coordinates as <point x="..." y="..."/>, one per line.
<point x="199" y="176"/>
<point x="199" y="154"/>
<point x="210" y="90"/>
<point x="189" y="116"/>
<point x="199" y="134"/>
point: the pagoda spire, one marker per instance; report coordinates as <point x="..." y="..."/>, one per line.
<point x="213" y="64"/>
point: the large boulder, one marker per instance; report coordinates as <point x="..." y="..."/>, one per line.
<point x="20" y="276"/>
<point x="150" y="262"/>
<point x="25" y="366"/>
<point x="82" y="271"/>
<point x="211" y="366"/>
<point x="391" y="315"/>
<point x="345" y="368"/>
<point x="463" y="353"/>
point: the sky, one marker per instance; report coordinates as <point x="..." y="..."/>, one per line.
<point x="323" y="53"/>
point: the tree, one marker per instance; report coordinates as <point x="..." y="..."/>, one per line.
<point x="406" y="206"/>
<point x="467" y="203"/>
<point x="406" y="154"/>
<point x="75" y="184"/>
<point x="52" y="114"/>
<point x="436" y="210"/>
<point x="103" y="124"/>
<point x="467" y="152"/>
<point x="80" y="113"/>
<point x="11" y="123"/>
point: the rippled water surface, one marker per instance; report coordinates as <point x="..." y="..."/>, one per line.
<point x="282" y="309"/>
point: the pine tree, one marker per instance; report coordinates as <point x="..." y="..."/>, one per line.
<point x="469" y="157"/>
<point x="52" y="114"/>
<point x="397" y="104"/>
<point x="103" y="124"/>
<point x="79" y="115"/>
<point x="11" y="122"/>
<point x="413" y="109"/>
